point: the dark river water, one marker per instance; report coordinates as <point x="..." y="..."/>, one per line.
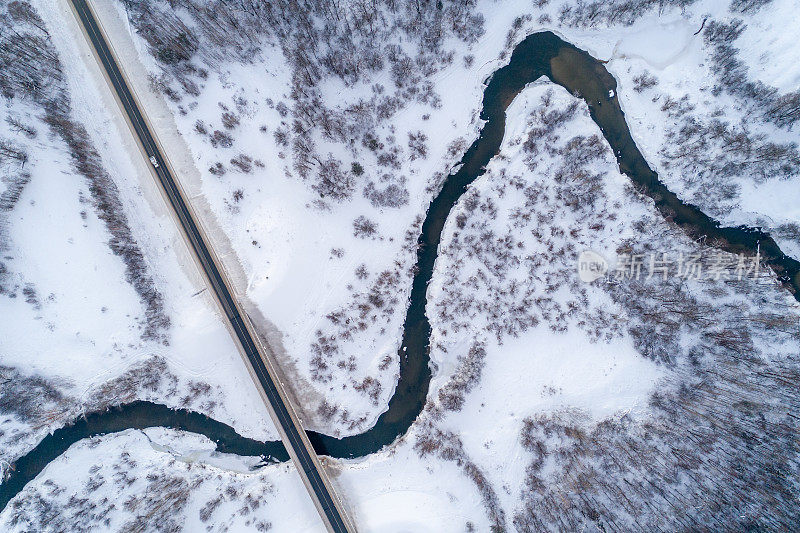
<point x="541" y="54"/>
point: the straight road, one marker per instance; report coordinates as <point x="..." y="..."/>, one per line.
<point x="261" y="367"/>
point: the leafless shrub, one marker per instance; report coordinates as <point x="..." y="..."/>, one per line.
<point x="158" y="507"/>
<point x="281" y="136"/>
<point x="644" y="81"/>
<point x="392" y="195"/>
<point x="217" y="169"/>
<point x="208" y="509"/>
<point x="332" y="181"/>
<point x="229" y="120"/>
<point x="747" y="7"/>
<point x="29" y="291"/>
<point x="200" y="127"/>
<point x="15" y="184"/>
<point x="326" y="410"/>
<point x="221" y="138"/>
<point x="364" y="228"/>
<point x="417" y="145"/>
<point x="18" y="126"/>
<point x="8" y="151"/>
<point x="243" y="162"/>
<point x="457" y="148"/>
<point x="371" y="387"/>
<point x="282" y="109"/>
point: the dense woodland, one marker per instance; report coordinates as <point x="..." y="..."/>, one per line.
<point x="718" y="449"/>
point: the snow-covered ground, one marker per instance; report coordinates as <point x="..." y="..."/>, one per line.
<point x="517" y="337"/>
<point x="670" y="46"/>
<point x="520" y="343"/>
<point x="526" y="357"/>
<point x="506" y="282"/>
<point x="300" y="255"/>
<point x="71" y="315"/>
<point x="681" y="62"/>
<point x="160" y="480"/>
<point x="506" y="274"/>
<point x="305" y="266"/>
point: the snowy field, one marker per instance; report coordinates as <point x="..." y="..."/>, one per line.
<point x="463" y="464"/>
<point x="314" y="266"/>
<point x="94" y="318"/>
<point x="539" y="380"/>
<point x="583" y="362"/>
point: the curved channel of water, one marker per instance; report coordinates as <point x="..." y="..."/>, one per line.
<point x="135" y="415"/>
<point x="541" y="54"/>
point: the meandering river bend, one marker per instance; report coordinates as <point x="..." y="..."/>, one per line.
<point x="540" y="54"/>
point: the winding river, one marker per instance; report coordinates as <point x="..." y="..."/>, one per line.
<point x="540" y="54"/>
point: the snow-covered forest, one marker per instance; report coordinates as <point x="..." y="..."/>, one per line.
<point x="91" y="292"/>
<point x="312" y="138"/>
